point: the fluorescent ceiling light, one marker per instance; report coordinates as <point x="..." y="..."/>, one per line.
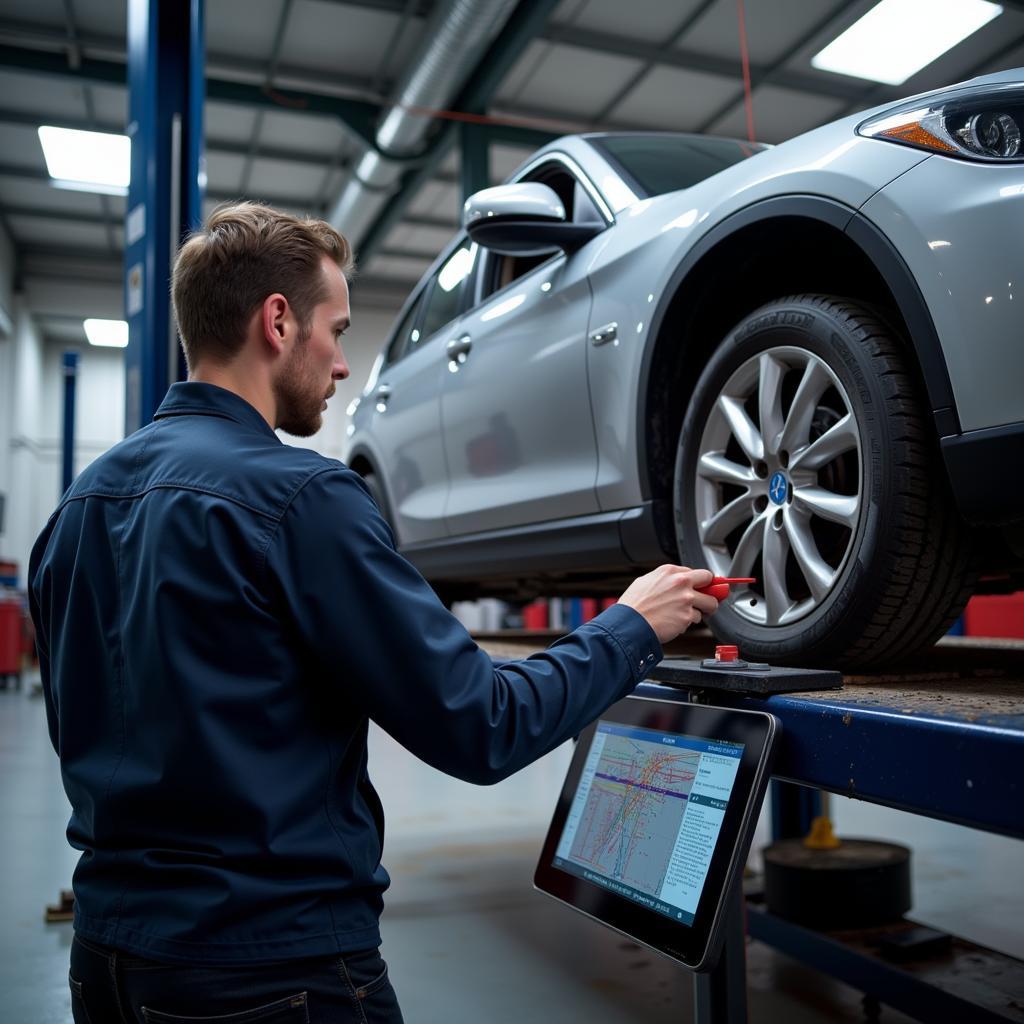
<point x="86" y="158"/>
<point x="107" y="333"/>
<point x="897" y="38"/>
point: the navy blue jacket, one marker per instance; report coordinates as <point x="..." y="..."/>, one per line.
<point x="219" y="615"/>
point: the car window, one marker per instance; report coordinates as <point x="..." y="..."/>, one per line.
<point x="445" y="291"/>
<point x="657" y="164"/>
<point x="500" y="271"/>
<point x="405" y="337"/>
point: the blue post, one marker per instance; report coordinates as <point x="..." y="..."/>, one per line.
<point x="793" y="809"/>
<point x="68" y="441"/>
<point x="166" y="92"/>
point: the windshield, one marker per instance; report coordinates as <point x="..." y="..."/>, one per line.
<point x="656" y="164"/>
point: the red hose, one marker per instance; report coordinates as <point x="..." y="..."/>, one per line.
<point x="745" y="58"/>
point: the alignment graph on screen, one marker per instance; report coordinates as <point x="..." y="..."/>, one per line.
<point x="634" y="810"/>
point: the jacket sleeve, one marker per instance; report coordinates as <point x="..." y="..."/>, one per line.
<point x="375" y="627"/>
<point x="39" y="609"/>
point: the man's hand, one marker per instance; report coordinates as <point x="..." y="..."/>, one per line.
<point x="667" y="598"/>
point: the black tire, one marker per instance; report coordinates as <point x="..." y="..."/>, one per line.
<point x="377" y="493"/>
<point x="905" y="569"/>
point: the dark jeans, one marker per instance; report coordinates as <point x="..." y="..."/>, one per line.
<point x="111" y="987"/>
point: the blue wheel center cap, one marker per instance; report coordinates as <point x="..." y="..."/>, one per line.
<point x="778" y="488"/>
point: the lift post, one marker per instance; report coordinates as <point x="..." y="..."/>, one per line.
<point x="166" y="92"/>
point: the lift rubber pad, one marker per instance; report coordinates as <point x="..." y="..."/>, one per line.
<point x="690" y="674"/>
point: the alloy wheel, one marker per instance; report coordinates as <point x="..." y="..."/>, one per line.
<point x="778" y="488"/>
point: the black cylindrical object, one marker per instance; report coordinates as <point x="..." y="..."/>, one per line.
<point x="860" y="884"/>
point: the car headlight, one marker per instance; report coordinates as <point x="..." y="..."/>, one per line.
<point x="984" y="124"/>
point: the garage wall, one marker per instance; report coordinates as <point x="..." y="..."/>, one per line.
<point x="32" y="395"/>
<point x="6" y="284"/>
<point x="32" y="404"/>
<point x="20" y="429"/>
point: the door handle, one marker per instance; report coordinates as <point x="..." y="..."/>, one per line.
<point x="457" y="350"/>
<point x="382" y="394"/>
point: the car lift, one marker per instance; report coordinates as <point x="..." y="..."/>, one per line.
<point x="879" y="738"/>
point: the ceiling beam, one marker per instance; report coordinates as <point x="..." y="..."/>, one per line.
<point x="360" y="116"/>
<point x="213" y="146"/>
<point x="25" y="173"/>
<point x="442" y="223"/>
<point x="316" y="95"/>
<point x="72" y="216"/>
<point x="774" y="71"/>
<point x="35" y="174"/>
<point x="694" y="60"/>
<point x="422" y="9"/>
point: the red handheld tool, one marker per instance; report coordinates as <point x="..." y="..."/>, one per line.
<point x="718" y="588"/>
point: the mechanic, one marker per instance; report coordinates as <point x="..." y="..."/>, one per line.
<point x="219" y="617"/>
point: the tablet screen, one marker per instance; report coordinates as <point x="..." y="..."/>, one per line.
<point x="654" y="820"/>
<point x="646" y="815"/>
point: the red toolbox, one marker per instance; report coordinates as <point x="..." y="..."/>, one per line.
<point x="996" y="615"/>
<point x="10" y="637"/>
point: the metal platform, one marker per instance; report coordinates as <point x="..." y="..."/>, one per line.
<point x="881" y="738"/>
<point x="881" y="735"/>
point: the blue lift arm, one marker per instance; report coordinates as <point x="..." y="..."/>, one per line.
<point x="166" y="93"/>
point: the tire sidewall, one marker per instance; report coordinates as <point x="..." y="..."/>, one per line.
<point x="805" y="324"/>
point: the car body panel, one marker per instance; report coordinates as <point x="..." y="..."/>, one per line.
<point x="966" y="256"/>
<point x="516" y="414"/>
<point x="408" y="440"/>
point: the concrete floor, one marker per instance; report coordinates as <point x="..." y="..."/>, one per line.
<point x="465" y="936"/>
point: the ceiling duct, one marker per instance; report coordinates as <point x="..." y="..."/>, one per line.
<point x="455" y="39"/>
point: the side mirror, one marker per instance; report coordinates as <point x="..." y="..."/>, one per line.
<point x="523" y="219"/>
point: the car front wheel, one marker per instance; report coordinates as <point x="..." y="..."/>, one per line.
<point x="805" y="461"/>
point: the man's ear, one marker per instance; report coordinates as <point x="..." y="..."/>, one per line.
<point x="276" y="314"/>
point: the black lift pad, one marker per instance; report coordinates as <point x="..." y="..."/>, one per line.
<point x="691" y="674"/>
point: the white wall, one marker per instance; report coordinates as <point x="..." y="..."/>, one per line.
<point x="22" y="386"/>
<point x="99" y="401"/>
<point x="32" y="410"/>
<point x="6" y="283"/>
<point x="6" y="422"/>
<point x="32" y="421"/>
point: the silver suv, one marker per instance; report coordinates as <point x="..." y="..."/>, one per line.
<point x="801" y="364"/>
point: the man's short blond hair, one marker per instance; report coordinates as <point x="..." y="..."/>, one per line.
<point x="243" y="253"/>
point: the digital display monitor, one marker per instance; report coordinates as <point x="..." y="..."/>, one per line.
<point x="655" y="818"/>
<point x="647" y="813"/>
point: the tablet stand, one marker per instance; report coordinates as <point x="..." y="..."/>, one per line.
<point x="720" y="995"/>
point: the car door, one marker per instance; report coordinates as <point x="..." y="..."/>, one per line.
<point x="515" y="406"/>
<point x="406" y="420"/>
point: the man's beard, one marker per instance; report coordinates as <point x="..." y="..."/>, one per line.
<point x="299" y="398"/>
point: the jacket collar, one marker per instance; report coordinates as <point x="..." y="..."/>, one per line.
<point x="194" y="398"/>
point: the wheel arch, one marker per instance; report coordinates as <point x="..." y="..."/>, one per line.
<point x="765" y="251"/>
<point x="360" y="461"/>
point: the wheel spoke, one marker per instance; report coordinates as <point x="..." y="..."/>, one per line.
<point x="838" y="508"/>
<point x="842" y="437"/>
<point x="773" y="565"/>
<point x="813" y="384"/>
<point x="742" y="428"/>
<point x="818" y="573"/>
<point x="769" y="399"/>
<point x="715" y="466"/>
<point x="725" y="520"/>
<point x="747" y="550"/>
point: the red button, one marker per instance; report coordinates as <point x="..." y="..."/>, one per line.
<point x="727" y="652"/>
